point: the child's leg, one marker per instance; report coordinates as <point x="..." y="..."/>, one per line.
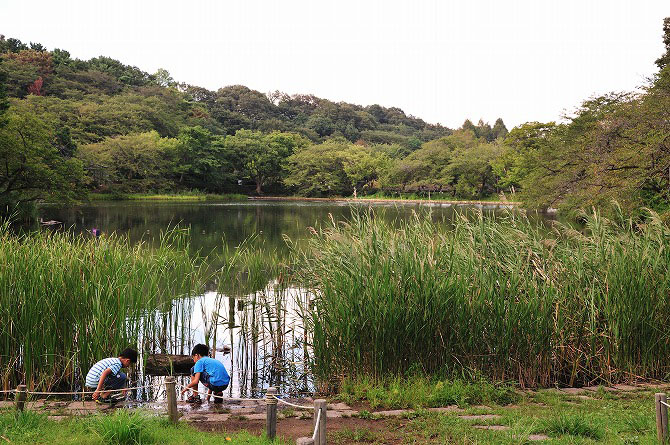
<point x="114" y="382"/>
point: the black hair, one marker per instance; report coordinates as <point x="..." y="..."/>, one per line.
<point x="129" y="353"/>
<point x="201" y="350"/>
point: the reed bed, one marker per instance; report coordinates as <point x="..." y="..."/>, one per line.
<point x="502" y="297"/>
<point x="256" y="311"/>
<point x="68" y="300"/>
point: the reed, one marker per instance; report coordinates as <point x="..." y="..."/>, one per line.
<point x="68" y="300"/>
<point x="502" y="297"/>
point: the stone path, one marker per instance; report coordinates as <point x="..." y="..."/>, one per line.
<point x="240" y="410"/>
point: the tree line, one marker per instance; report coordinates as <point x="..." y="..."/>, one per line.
<point x="69" y="126"/>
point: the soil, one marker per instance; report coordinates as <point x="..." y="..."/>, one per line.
<point x="291" y="429"/>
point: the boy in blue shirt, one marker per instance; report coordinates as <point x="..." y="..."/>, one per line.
<point x="208" y="371"/>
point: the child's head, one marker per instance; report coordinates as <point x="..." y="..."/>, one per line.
<point x="128" y="356"/>
<point x="199" y="351"/>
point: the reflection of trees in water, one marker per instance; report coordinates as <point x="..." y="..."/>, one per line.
<point x="214" y="224"/>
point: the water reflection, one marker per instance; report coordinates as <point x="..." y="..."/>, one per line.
<point x="262" y="322"/>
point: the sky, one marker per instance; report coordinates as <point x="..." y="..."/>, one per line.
<point x="443" y="61"/>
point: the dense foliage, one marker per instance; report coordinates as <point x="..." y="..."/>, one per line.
<point x="501" y="297"/>
<point x="68" y="300"/>
<point x="99" y="125"/>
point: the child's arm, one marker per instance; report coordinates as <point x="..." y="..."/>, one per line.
<point x="209" y="393"/>
<point x="195" y="379"/>
<point x="101" y="383"/>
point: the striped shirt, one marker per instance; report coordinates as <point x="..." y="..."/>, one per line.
<point x="93" y="376"/>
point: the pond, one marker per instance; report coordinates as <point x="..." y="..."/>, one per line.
<point x="262" y="330"/>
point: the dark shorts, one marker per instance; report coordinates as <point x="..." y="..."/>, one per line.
<point x="116" y="381"/>
<point x="112" y="381"/>
<point x="217" y="390"/>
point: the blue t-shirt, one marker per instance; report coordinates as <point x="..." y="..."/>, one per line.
<point x="218" y="376"/>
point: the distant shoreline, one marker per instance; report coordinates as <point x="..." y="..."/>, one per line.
<point x="382" y="201"/>
<point x="94" y="197"/>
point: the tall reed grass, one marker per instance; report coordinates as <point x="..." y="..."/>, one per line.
<point x="497" y="296"/>
<point x="68" y="300"/>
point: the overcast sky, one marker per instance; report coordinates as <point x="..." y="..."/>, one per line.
<point x="443" y="61"/>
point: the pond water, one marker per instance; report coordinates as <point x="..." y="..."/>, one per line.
<point x="264" y="329"/>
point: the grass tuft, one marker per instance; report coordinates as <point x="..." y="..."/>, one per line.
<point x="573" y="425"/>
<point x="123" y="428"/>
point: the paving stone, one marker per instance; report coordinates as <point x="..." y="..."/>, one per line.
<point x="447" y="409"/>
<point x="537" y="437"/>
<point x="572" y="391"/>
<point x="338" y="406"/>
<point x="341" y="413"/>
<point x="391" y="413"/>
<point x="57" y="418"/>
<point x="623" y="387"/>
<point x="481" y="417"/>
<point x="207" y="418"/>
<point x="492" y="427"/>
<point x="596" y="388"/>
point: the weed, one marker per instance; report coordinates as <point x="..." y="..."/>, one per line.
<point x="574" y="425"/>
<point x="122" y="428"/>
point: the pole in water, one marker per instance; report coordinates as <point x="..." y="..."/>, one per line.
<point x="271" y="408"/>
<point x="171" y="393"/>
<point x="20" y="397"/>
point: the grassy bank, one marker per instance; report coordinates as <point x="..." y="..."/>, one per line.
<point x="498" y="296"/>
<point x="67" y="301"/>
<point x="446" y="197"/>
<point x="602" y="417"/>
<point x="189" y="196"/>
<point x="121" y="428"/>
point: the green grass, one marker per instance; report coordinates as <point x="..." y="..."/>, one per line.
<point x="433" y="197"/>
<point x="68" y="300"/>
<point x="573" y="425"/>
<point x="500" y="296"/>
<point x="624" y="418"/>
<point x="186" y="196"/>
<point x="418" y="392"/>
<point x="121" y="428"/>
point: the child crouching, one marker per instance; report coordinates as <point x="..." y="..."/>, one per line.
<point x="208" y="371"/>
<point x="106" y="374"/>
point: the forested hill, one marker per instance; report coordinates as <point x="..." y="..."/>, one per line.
<point x="69" y="127"/>
<point x="113" y="99"/>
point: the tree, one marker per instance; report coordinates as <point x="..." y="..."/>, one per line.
<point x="260" y="157"/>
<point x="499" y="129"/>
<point x="4" y="103"/>
<point x="334" y="167"/>
<point x="131" y="163"/>
<point x="519" y="153"/>
<point x="664" y="60"/>
<point x="32" y="166"/>
<point x="200" y="160"/>
<point x="163" y="78"/>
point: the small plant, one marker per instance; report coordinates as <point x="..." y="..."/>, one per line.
<point x="22" y="422"/>
<point x="122" y="428"/>
<point x="289" y="413"/>
<point x="364" y="414"/>
<point x="574" y="425"/>
<point x="355" y="435"/>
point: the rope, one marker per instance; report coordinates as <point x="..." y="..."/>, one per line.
<point x="316" y="425"/>
<point x="291" y="404"/>
<point x="41" y="393"/>
<point x="267" y="398"/>
<point x="664" y="403"/>
<point x="7" y="391"/>
<point x="218" y="397"/>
